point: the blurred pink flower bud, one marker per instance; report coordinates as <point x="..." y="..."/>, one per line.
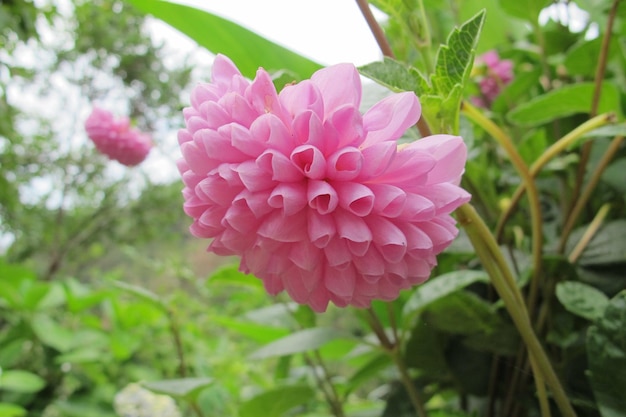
<point x="498" y="73"/>
<point x="116" y="139"/>
<point x="315" y="197"/>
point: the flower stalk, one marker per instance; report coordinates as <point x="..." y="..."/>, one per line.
<point x="499" y="273"/>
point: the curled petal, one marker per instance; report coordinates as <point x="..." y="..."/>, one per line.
<point x="307" y="128"/>
<point x="450" y="153"/>
<point x="240" y="217"/>
<point x="244" y="142"/>
<point x="371" y="264"/>
<point x="216" y="189"/>
<point x="348" y="123"/>
<point x="389" y="200"/>
<point x="322" y="197"/>
<point x="223" y="70"/>
<point x="198" y="161"/>
<point x="218" y="145"/>
<point x="445" y="196"/>
<point x="306" y="256"/>
<point x="339" y="85"/>
<point x="337" y="253"/>
<point x="302" y="97"/>
<point x="238" y="108"/>
<point x="391" y="117"/>
<point x="262" y="94"/>
<point x="352" y="227"/>
<point x="279" y="166"/>
<point x="202" y="93"/>
<point x="253" y="177"/>
<point x="377" y="159"/>
<point x="212" y="114"/>
<point x="321" y="228"/>
<point x="345" y="164"/>
<point x="310" y="161"/>
<point x="290" y="196"/>
<point x="388" y="238"/>
<point x="354" y="197"/>
<point x="283" y="228"/>
<point x="341" y="283"/>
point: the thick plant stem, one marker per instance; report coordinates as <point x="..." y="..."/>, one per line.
<point x="555" y="149"/>
<point x="533" y="196"/>
<point x="483" y="242"/>
<point x="586" y="195"/>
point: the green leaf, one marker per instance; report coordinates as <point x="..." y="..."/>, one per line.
<point x="187" y="388"/>
<point x="581" y="299"/>
<point x="260" y="333"/>
<point x="528" y="10"/>
<point x="52" y="334"/>
<point x="522" y="84"/>
<point x="276" y="402"/>
<point x="21" y="381"/>
<point x="11" y="410"/>
<point x="562" y="102"/>
<point x="230" y="275"/>
<point x="368" y="371"/>
<point x="395" y="75"/>
<point x="462" y="313"/>
<point x="606" y="353"/>
<point x="455" y="58"/>
<point x="143" y="294"/>
<point x="298" y="342"/>
<point x="425" y="350"/>
<point x="247" y="49"/>
<point x="440" y="287"/>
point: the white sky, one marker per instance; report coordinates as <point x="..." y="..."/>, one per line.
<point x="327" y="31"/>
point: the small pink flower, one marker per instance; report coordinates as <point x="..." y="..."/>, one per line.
<point x="499" y="73"/>
<point x="116" y="139"/>
<point x="315" y="197"/>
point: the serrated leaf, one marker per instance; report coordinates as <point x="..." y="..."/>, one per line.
<point x="581" y="299"/>
<point x="247" y="49"/>
<point x="440" y="287"/>
<point x="21" y="381"/>
<point x="606" y="354"/>
<point x="562" y="102"/>
<point x="187" y="388"/>
<point x="276" y="402"/>
<point x="455" y="58"/>
<point x="299" y="342"/>
<point x="394" y="75"/>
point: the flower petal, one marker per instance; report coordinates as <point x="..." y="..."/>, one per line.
<point x="339" y="84"/>
<point x="391" y="117"/>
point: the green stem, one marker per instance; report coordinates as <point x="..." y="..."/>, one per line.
<point x="533" y="195"/>
<point x="595" y="101"/>
<point x="395" y="351"/>
<point x="559" y="146"/>
<point x="589" y="233"/>
<point x="586" y="195"/>
<point x="483" y="242"/>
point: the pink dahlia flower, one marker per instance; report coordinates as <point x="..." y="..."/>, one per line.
<point x="315" y="197"/>
<point x="116" y="139"/>
<point x="499" y="73"/>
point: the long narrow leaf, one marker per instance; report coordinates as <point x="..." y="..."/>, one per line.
<point x="247" y="49"/>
